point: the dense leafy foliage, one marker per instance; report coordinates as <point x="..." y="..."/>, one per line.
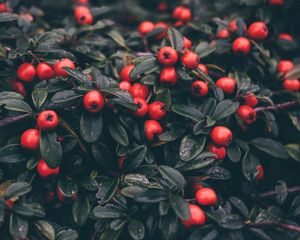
<point x="131" y="137"/>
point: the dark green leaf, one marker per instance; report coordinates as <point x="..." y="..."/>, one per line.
<point x="16" y="105"/>
<point x="68" y="187"/>
<point x="295" y="206"/>
<point x="176" y="39"/>
<point x="191" y="146"/>
<point x="270" y="146"/>
<point x="218" y="173"/>
<point x="172" y="176"/>
<point x="50" y="148"/>
<point x="18" y="227"/>
<point x="118" y="133"/>
<point x="17" y="189"/>
<point x="91" y="125"/>
<point x="225" y="109"/>
<point x="81" y="209"/>
<point x="135" y="158"/>
<point x="234" y="152"/>
<point x="249" y="166"/>
<point x="136" y="229"/>
<point x="65" y="97"/>
<point x="79" y="76"/>
<point x="45" y="229"/>
<point x="67" y="234"/>
<point x="180" y="206"/>
<point x="143" y="67"/>
<point x="281" y="192"/>
<point x="8" y="17"/>
<point x="151" y="196"/>
<point x="108" y="211"/>
<point x="293" y="151"/>
<point x="24" y="209"/>
<point x="240" y="205"/>
<point x="113" y="187"/>
<point x="188" y="112"/>
<point x="12" y="153"/>
<point x="39" y="96"/>
<point x="10" y="95"/>
<point x="231" y="221"/>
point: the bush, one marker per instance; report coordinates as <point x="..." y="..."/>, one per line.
<point x="149" y="119"/>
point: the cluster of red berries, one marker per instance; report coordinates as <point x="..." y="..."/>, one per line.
<point x="30" y="139"/>
<point x="82" y="13"/>
<point x="27" y="72"/>
<point x="147" y="27"/>
<point x="257" y="31"/>
<point x="182" y="15"/>
<point x="283" y="67"/>
<point x="204" y="197"/>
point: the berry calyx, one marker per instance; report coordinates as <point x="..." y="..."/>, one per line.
<point x="124" y="85"/>
<point x="59" y="65"/>
<point x="142" y="107"/>
<point x="258" y="31"/>
<point x="190" y="60"/>
<point x="30" y="139"/>
<point x="221" y="136"/>
<point x="291" y="84"/>
<point x="250" y="100"/>
<point x="93" y="101"/>
<point x="219" y="151"/>
<point x="47" y="120"/>
<point x="26" y="72"/>
<point x="45" y="171"/>
<point x="241" y="45"/>
<point x="125" y="73"/>
<point x="146" y="27"/>
<point x="168" y="75"/>
<point x="44" y="71"/>
<point x="139" y="90"/>
<point x="206" y="196"/>
<point x="284" y="66"/>
<point x="199" y="88"/>
<point x="227" y="84"/>
<point x="157" y="110"/>
<point x="152" y="129"/>
<point x="247" y="114"/>
<point x="197" y="216"/>
<point x="167" y="56"/>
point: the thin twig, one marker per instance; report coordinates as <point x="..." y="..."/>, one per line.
<point x="274" y="224"/>
<point x="279" y="106"/>
<point x="294" y="189"/>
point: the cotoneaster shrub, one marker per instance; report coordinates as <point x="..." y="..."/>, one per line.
<point x="149" y="120"/>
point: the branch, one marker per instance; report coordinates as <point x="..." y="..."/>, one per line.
<point x="294" y="189"/>
<point x="274" y="224"/>
<point x="279" y="106"/>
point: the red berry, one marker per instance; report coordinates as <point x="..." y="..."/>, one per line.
<point x="125" y="73"/>
<point x="218" y="150"/>
<point x="203" y="68"/>
<point x="146" y="27"/>
<point x="163" y="34"/>
<point x="59" y="65"/>
<point x="3" y="8"/>
<point x="10" y="203"/>
<point x="152" y="129"/>
<point x="197" y="216"/>
<point x="139" y="90"/>
<point x="241" y="45"/>
<point x="168" y="75"/>
<point x="121" y="161"/>
<point x="258" y="31"/>
<point x="89" y="76"/>
<point x="285" y="36"/>
<point x="221" y="136"/>
<point x="233" y="27"/>
<point x="177" y="11"/>
<point x="227" y="84"/>
<point x="247" y="114"/>
<point x="185" y="15"/>
<point x="284" y="66"/>
<point x="157" y="110"/>
<point x="206" y="196"/>
<point x="45" y="171"/>
<point x="83" y="15"/>
<point x="167" y="56"/>
<point x="47" y="120"/>
<point x="26" y="72"/>
<point x="93" y="101"/>
<point x="162" y="7"/>
<point x="291" y="84"/>
<point x="261" y="173"/>
<point x="187" y="43"/>
<point x="199" y="88"/>
<point x="44" y="71"/>
<point x="143" y="107"/>
<point x="250" y="100"/>
<point x="124" y="85"/>
<point x="223" y="33"/>
<point x="18" y="87"/>
<point x="190" y="59"/>
<point x="276" y="2"/>
<point x="30" y="139"/>
<point x="82" y="1"/>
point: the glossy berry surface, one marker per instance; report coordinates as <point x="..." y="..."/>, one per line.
<point x="152" y="129"/>
<point x="241" y="45"/>
<point x="227" y="84"/>
<point x="157" y="110"/>
<point x="45" y="171"/>
<point x="139" y="90"/>
<point x="284" y="66"/>
<point x="93" y="101"/>
<point x="47" y="120"/>
<point x="291" y="84"/>
<point x="251" y="100"/>
<point x="219" y="151"/>
<point x="168" y="75"/>
<point x="247" y="114"/>
<point x="125" y="73"/>
<point x="26" y="72"/>
<point x="190" y="60"/>
<point x="206" y="197"/>
<point x="199" y="88"/>
<point x="44" y="71"/>
<point x="221" y="136"/>
<point x="30" y="139"/>
<point x="142" y="107"/>
<point x="145" y="27"/>
<point x="59" y="65"/>
<point x="167" y="56"/>
<point x="197" y="216"/>
<point x="258" y="31"/>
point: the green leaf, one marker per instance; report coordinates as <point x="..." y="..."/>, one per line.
<point x="118" y="133"/>
<point x="188" y="112"/>
<point x="79" y="76"/>
<point x="172" y="175"/>
<point x="12" y="153"/>
<point x="118" y="38"/>
<point x="67" y="234"/>
<point x="113" y="187"/>
<point x="17" y="189"/>
<point x="65" y="97"/>
<point x="39" y="97"/>
<point x="293" y="151"/>
<point x="218" y="173"/>
<point x="151" y="196"/>
<point x="68" y="187"/>
<point x="102" y="154"/>
<point x="281" y="191"/>
<point x="240" y="205"/>
<point x="234" y="152"/>
<point x="45" y="229"/>
<point x="8" y="17"/>
<point x="50" y="148"/>
<point x="18" y="226"/>
<point x="135" y="158"/>
<point x="173" y="132"/>
<point x="270" y="146"/>
<point x="136" y="229"/>
<point x="142" y="68"/>
<point x="231" y="221"/>
<point x="91" y="126"/>
<point x="122" y="97"/>
<point x="176" y="39"/>
<point x="295" y="206"/>
<point x="10" y="95"/>
<point x="16" y="105"/>
<point x="224" y="109"/>
<point x="24" y="209"/>
<point x="110" y="234"/>
<point x="249" y="166"/>
<point x="81" y="209"/>
<point x="180" y="206"/>
<point x="191" y="146"/>
<point x="109" y="211"/>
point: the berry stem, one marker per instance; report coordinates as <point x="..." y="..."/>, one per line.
<point x="274" y="224"/>
<point x="279" y="106"/>
<point x="294" y="189"/>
